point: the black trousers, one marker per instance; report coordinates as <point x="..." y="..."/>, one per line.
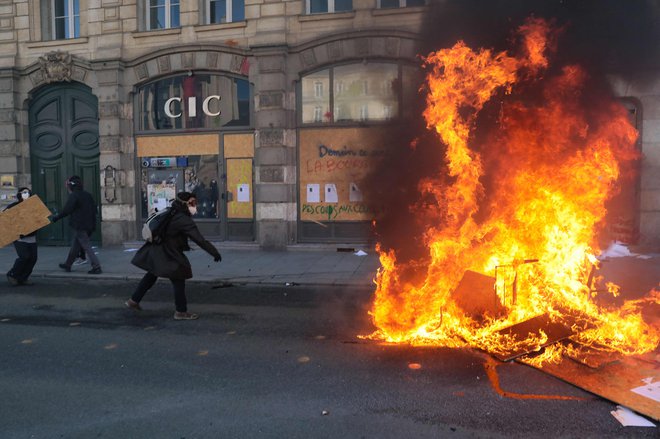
<point x="148" y="281"/>
<point x="27" y="258"/>
<point x="80" y="242"/>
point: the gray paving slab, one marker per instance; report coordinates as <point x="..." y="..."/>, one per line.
<point x="249" y="265"/>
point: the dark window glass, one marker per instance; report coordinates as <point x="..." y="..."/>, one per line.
<point x="218" y="11"/>
<point x="233" y="105"/>
<point x="384" y="4"/>
<point x="238" y="10"/>
<point x="60" y="28"/>
<point x="343" y="5"/>
<point x="415" y="2"/>
<point x="318" y="6"/>
<point x="174" y="15"/>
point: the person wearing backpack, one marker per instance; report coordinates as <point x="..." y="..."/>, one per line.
<point x="164" y="257"/>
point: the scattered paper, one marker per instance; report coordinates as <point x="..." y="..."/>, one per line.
<point x="360" y="253"/>
<point x="628" y="418"/>
<point x="616" y="250"/>
<point x="313" y="193"/>
<point x="354" y="194"/>
<point x="650" y="389"/>
<point x="331" y="193"/>
<point x="243" y="193"/>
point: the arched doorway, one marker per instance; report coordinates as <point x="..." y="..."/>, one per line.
<point x="64" y="141"/>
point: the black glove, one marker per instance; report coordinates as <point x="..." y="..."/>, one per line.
<point x="53" y="218"/>
<point x="217" y="258"/>
<point x="21" y="236"/>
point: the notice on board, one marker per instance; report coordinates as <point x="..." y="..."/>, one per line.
<point x="313" y="193"/>
<point x="243" y="193"/>
<point x="331" y="193"/>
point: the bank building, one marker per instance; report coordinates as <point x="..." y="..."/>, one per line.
<point x="264" y="109"/>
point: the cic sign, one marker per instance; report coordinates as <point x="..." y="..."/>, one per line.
<point x="192" y="106"/>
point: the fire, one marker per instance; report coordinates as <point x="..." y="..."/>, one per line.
<point x="524" y="206"/>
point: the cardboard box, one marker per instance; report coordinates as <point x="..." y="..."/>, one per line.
<point x="23" y="219"/>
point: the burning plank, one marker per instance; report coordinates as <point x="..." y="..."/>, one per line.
<point x="533" y="335"/>
<point x="476" y="295"/>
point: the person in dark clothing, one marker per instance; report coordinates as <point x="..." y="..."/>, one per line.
<point x="167" y="260"/>
<point x="81" y="209"/>
<point x="26" y="248"/>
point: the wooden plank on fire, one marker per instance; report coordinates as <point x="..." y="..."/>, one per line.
<point x="476" y="295"/>
<point x="614" y="381"/>
<point x="523" y="337"/>
<point x="22" y="219"/>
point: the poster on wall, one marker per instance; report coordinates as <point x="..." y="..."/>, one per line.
<point x="332" y="164"/>
<point x="159" y="196"/>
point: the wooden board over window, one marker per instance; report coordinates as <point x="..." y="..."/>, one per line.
<point x="239" y="145"/>
<point x="161" y="146"/>
<point x="239" y="184"/>
<point x="332" y="164"/>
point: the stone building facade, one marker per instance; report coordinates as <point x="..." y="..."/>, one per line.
<point x="100" y="54"/>
<point x="286" y="94"/>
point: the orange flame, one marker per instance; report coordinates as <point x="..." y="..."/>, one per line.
<point x="530" y="202"/>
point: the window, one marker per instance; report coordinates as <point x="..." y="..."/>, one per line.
<point x="325" y="6"/>
<point x="200" y="101"/>
<point x="162" y="14"/>
<point x="311" y="98"/>
<point x="361" y="90"/>
<point x="387" y="4"/>
<point x="66" y="19"/>
<point x="364" y="112"/>
<point x="318" y="89"/>
<point x="318" y="114"/>
<point x="358" y="92"/>
<point x="224" y="11"/>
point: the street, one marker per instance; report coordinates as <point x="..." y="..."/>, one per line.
<point x="265" y="362"/>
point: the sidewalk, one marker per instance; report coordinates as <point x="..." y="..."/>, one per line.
<point x="300" y="265"/>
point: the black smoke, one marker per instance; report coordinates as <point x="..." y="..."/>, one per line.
<point x="605" y="37"/>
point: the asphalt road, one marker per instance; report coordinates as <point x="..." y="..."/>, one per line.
<point x="260" y="363"/>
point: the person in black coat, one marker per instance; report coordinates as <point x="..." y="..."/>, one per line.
<point x="26" y="248"/>
<point x="81" y="210"/>
<point x="167" y="260"/>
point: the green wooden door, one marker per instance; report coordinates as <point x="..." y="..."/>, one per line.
<point x="64" y="141"/>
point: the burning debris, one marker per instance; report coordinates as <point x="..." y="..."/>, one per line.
<point x="531" y="154"/>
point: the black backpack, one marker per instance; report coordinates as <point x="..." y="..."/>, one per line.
<point x="154" y="228"/>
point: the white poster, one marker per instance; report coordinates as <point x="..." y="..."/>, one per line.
<point x="354" y="194"/>
<point x="313" y="193"/>
<point x="331" y="193"/>
<point x="243" y="193"/>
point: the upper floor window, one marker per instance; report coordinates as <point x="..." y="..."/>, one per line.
<point x="162" y="14"/>
<point x="224" y="11"/>
<point x="385" y="4"/>
<point x="318" y="89"/>
<point x="358" y="92"/>
<point x="325" y="6"/>
<point x="65" y="19"/>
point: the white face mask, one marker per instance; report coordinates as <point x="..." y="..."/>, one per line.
<point x="25" y="195"/>
<point x="192" y="210"/>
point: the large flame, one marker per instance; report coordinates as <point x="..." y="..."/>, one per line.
<point x="527" y="202"/>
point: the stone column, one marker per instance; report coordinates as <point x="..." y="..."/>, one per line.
<point x="14" y="154"/>
<point x="117" y="160"/>
<point x="275" y="167"/>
